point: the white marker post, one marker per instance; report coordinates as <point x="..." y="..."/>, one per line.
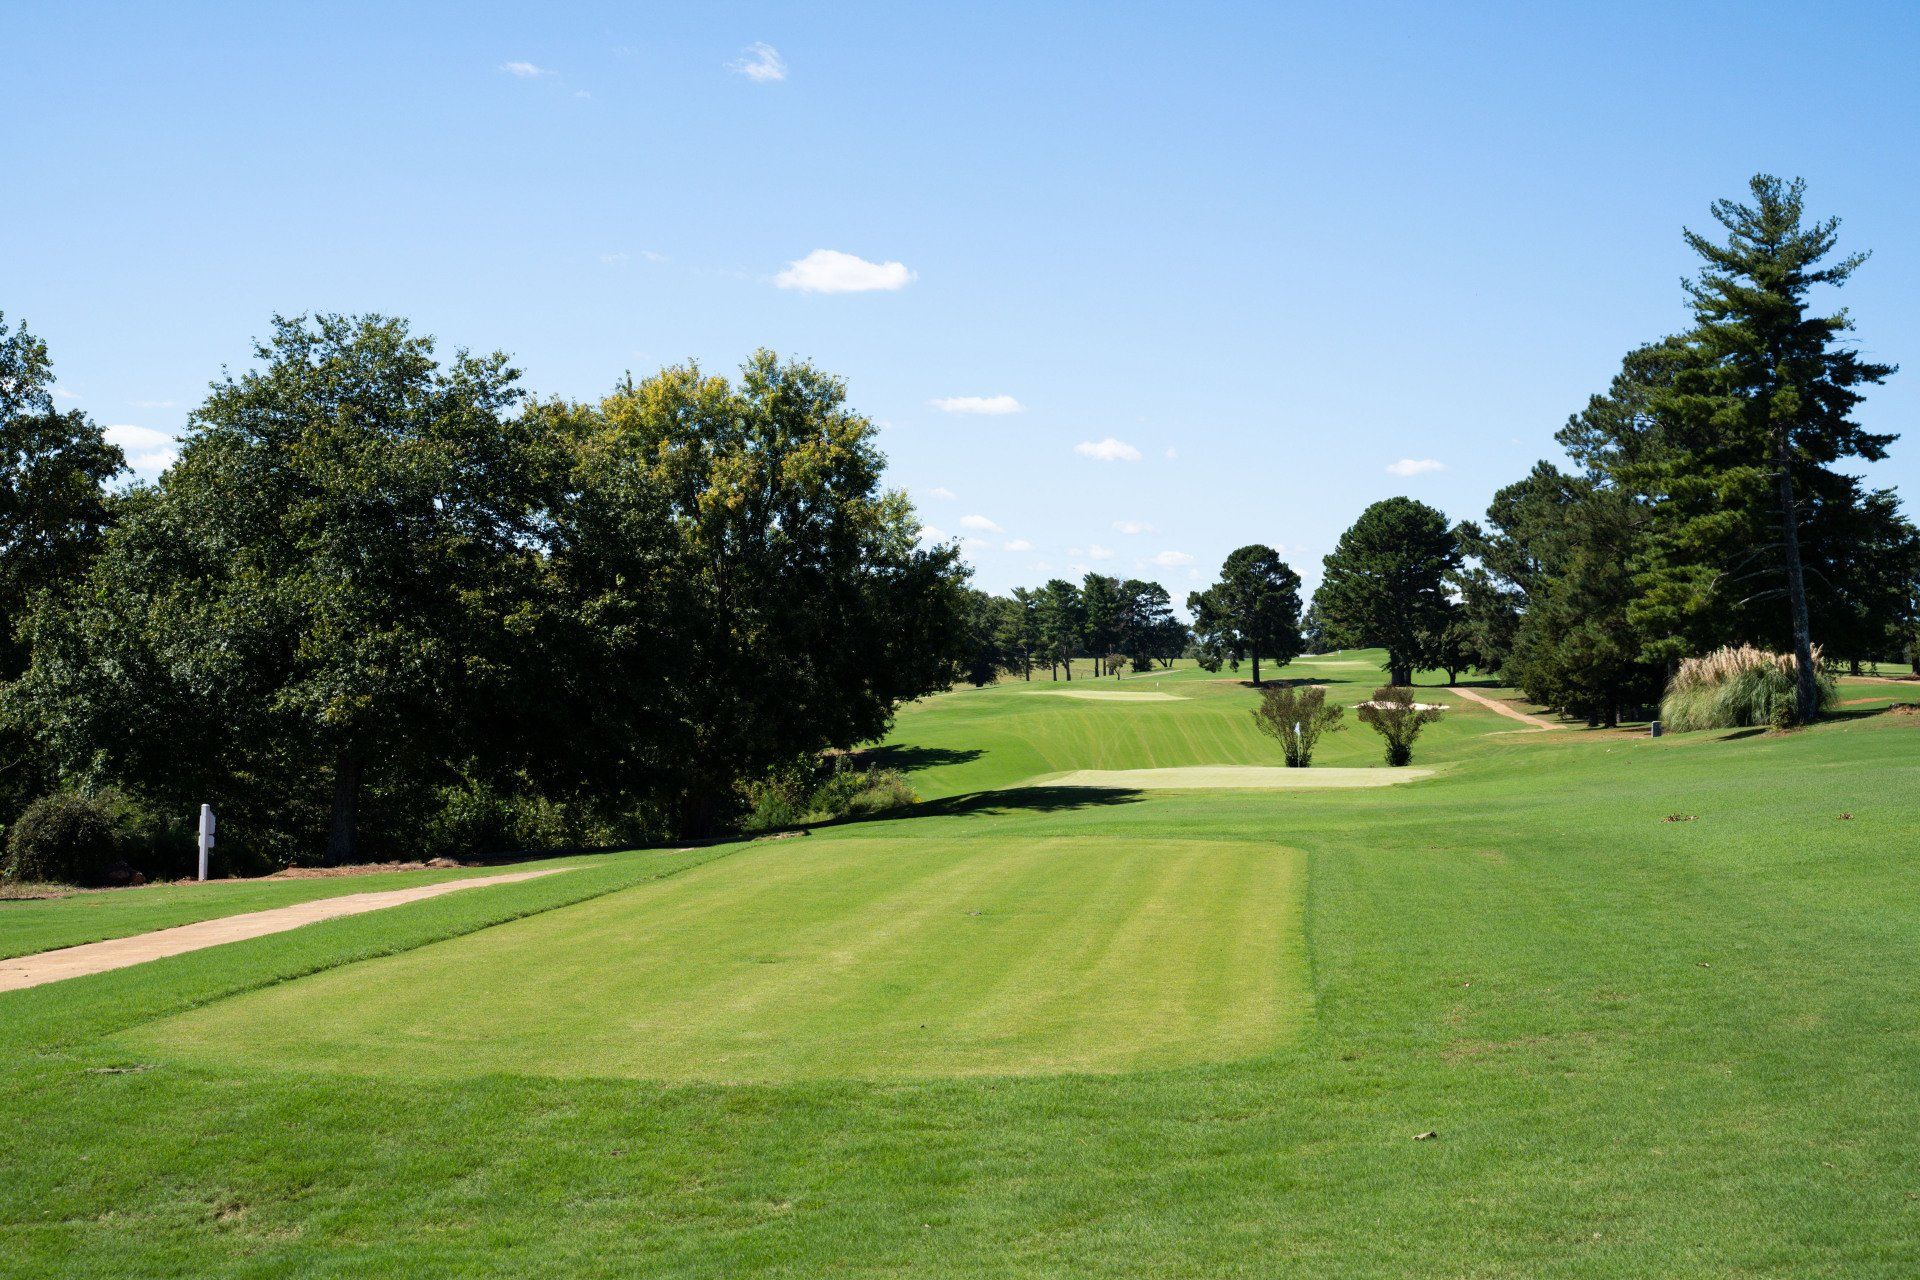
<point x="206" y="836"/>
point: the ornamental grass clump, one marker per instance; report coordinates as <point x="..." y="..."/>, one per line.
<point x="1297" y="717"/>
<point x="1394" y="715"/>
<point x="1739" y="687"/>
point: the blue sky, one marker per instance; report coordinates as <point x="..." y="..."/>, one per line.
<point x="1243" y="269"/>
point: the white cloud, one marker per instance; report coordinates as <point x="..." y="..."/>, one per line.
<point x="61" y="393"/>
<point x="928" y="533"/>
<point x="154" y="404"/>
<point x="653" y="255"/>
<point x="581" y="93"/>
<point x="1018" y="544"/>
<point x="830" y="271"/>
<point x="148" y="451"/>
<point x="1414" y="466"/>
<point x="1172" y="453"/>
<point x="1097" y="552"/>
<point x="990" y="405"/>
<point x="1076" y="552"/>
<point x="980" y="524"/>
<point x="761" y="63"/>
<point x="616" y="259"/>
<point x="1134" y="526"/>
<point x="1108" y="450"/>
<point x="1172" y="559"/>
<point x="941" y="492"/>
<point x="524" y="70"/>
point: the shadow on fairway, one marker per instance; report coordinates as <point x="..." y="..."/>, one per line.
<point x="907" y="759"/>
<point x="1009" y="800"/>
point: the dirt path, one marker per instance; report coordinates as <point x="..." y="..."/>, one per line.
<point x="118" y="953"/>
<point x="1511" y="713"/>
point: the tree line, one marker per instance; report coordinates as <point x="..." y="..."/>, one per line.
<point x="385" y="601"/>
<point x="1705" y="507"/>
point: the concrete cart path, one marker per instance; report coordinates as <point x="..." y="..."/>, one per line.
<point x="118" y="953"/>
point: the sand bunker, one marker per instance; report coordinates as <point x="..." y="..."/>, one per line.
<point x="1418" y="706"/>
<point x="1244" y="776"/>
<point x="1110" y="695"/>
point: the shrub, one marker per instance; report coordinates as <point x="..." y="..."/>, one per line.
<point x="804" y="792"/>
<point x="1739" y="687"/>
<point x="1393" y="714"/>
<point x="74" y="837"/>
<point x="1297" y="717"/>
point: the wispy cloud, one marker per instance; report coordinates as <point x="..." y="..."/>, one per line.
<point x="524" y="70"/>
<point x="1134" y="526"/>
<point x="1108" y="450"/>
<point x="148" y="451"/>
<point x="1172" y="453"/>
<point x="941" y="492"/>
<point x="980" y="524"/>
<point x="61" y="393"/>
<point x="830" y="271"/>
<point x="1097" y="552"/>
<point x="1415" y="466"/>
<point x="1172" y="559"/>
<point x="993" y="406"/>
<point x="154" y="404"/>
<point x="761" y="63"/>
<point x="1017" y="544"/>
<point x="932" y="533"/>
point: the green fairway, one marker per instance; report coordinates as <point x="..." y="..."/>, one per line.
<point x="826" y="958"/>
<point x="1653" y="996"/>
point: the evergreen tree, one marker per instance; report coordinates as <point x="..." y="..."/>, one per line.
<point x="1759" y="409"/>
<point x="1253" y="610"/>
<point x="1385" y="583"/>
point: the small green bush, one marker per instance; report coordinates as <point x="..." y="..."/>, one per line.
<point x="1395" y="716"/>
<point x="812" y="793"/>
<point x="1296" y="718"/>
<point x="72" y="837"/>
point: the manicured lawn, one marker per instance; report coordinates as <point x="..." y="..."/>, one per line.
<point x="821" y="958"/>
<point x="1168" y="1047"/>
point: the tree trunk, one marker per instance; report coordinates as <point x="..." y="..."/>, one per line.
<point x="1067" y="665"/>
<point x="1806" y="692"/>
<point x="1400" y="675"/>
<point x="342" y="833"/>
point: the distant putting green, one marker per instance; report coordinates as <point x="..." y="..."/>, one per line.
<point x="1251" y="777"/>
<point x="822" y="958"/>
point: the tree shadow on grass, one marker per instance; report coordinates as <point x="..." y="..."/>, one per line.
<point x="1007" y="800"/>
<point x="907" y="759"/>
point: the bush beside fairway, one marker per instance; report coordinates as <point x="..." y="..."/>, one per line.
<point x="1649" y="1047"/>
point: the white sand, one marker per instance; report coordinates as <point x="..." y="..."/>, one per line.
<point x="1224" y="776"/>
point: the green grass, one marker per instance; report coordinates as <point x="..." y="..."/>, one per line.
<point x="1648" y="1047"/>
<point x="825" y="958"/>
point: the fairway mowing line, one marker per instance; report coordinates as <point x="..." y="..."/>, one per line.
<point x="1108" y="695"/>
<point x="1219" y="777"/>
<point x="118" y="953"/>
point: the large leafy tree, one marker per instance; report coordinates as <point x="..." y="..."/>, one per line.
<point x="1254" y="609"/>
<point x="319" y="596"/>
<point x="1758" y="411"/>
<point x="54" y="469"/>
<point x="798" y="610"/>
<point x="1385" y="583"/>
